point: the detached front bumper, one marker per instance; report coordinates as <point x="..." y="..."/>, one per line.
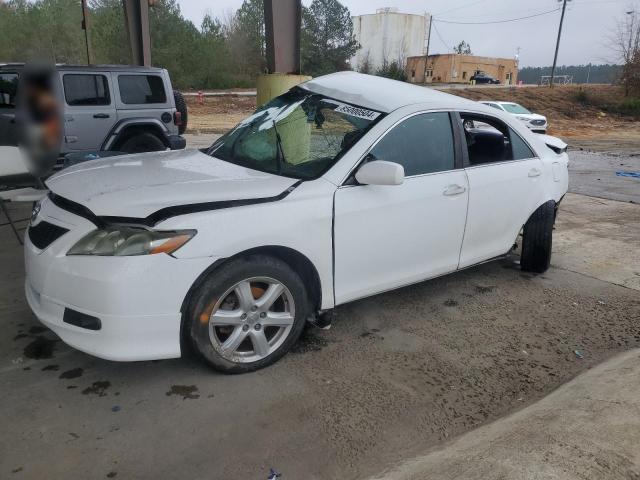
<point x="137" y="300"/>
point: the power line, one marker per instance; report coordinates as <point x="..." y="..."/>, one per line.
<point x="440" y="37"/>
<point x="498" y="21"/>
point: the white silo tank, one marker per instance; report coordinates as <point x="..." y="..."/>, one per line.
<point x="388" y="36"/>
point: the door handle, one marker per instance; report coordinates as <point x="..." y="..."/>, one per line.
<point x="454" y="190"/>
<point x="101" y="115"/>
<point x="534" y="172"/>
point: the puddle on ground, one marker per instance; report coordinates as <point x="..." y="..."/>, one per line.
<point x="73" y="373"/>
<point x="53" y="368"/>
<point x="97" y="388"/>
<point x="184" y="391"/>
<point x="40" y="348"/>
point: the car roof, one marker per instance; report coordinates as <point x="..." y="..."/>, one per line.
<point x="71" y="67"/>
<point x="499" y="102"/>
<point x="382" y="94"/>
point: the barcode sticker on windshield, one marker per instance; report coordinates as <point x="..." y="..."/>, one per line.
<point x="358" y="112"/>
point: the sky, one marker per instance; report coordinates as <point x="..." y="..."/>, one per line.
<point x="584" y="36"/>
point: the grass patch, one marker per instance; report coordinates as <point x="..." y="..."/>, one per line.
<point x="630" y="106"/>
<point x="582" y="96"/>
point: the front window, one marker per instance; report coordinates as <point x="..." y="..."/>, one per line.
<point x="86" y="90"/>
<point x="299" y="134"/>
<point x="515" y="108"/>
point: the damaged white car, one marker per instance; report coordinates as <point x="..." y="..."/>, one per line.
<point x="346" y="186"/>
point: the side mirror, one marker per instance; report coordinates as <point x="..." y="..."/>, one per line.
<point x="379" y="172"/>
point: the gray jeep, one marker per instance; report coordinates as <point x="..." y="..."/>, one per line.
<point x="105" y="108"/>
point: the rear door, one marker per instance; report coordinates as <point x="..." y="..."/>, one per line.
<point x="8" y="92"/>
<point x="89" y="109"/>
<point x="505" y="187"/>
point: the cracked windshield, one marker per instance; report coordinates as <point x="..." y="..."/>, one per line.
<point x="298" y="134"/>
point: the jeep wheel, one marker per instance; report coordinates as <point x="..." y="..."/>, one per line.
<point x="537" y="239"/>
<point x="247" y="314"/>
<point x="181" y="106"/>
<point x="143" y="142"/>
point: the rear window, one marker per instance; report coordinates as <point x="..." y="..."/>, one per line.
<point x="86" y="90"/>
<point x="8" y="90"/>
<point x="141" y="89"/>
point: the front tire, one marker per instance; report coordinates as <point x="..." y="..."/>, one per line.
<point x="247" y="314"/>
<point x="537" y="239"/>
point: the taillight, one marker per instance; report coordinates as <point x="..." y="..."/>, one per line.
<point x="177" y="119"/>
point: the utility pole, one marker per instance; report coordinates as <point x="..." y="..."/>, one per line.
<point x="426" y="55"/>
<point x="85" y="27"/>
<point x="555" y="58"/>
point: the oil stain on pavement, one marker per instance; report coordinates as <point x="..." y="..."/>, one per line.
<point x="97" y="388"/>
<point x="184" y="391"/>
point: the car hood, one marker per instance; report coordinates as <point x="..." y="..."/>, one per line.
<point x="140" y="185"/>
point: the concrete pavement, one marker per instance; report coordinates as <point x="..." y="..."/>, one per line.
<point x="587" y="429"/>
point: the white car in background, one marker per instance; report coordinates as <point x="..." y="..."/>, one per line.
<point x="344" y="187"/>
<point x="534" y="122"/>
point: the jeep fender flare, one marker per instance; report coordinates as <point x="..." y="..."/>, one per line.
<point x="121" y="129"/>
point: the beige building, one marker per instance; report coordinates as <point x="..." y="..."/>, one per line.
<point x="454" y="68"/>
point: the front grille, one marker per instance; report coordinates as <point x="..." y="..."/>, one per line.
<point x="44" y="234"/>
<point x="537" y="122"/>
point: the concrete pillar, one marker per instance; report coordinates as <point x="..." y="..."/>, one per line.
<point x="282" y="20"/>
<point x="136" y="14"/>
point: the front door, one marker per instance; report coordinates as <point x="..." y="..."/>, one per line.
<point x="89" y="112"/>
<point x="389" y="236"/>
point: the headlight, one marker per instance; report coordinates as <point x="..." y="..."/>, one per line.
<point x="524" y="119"/>
<point x="126" y="241"/>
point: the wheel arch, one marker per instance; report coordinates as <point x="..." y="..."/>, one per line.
<point x="299" y="262"/>
<point x="126" y="129"/>
<point x="540" y="204"/>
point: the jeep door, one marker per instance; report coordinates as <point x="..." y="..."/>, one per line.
<point x="89" y="112"/>
<point x="389" y="236"/>
<point x="8" y="91"/>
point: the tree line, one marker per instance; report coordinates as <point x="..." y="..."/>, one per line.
<point x="220" y="53"/>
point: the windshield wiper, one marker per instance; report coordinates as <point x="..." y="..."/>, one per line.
<point x="280" y="159"/>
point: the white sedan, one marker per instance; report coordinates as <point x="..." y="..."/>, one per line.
<point x="534" y="122"/>
<point x="344" y="187"/>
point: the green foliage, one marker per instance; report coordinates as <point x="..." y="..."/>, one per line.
<point x="327" y="37"/>
<point x="393" y="70"/>
<point x="215" y="55"/>
<point x="582" y="96"/>
<point x="463" y="48"/>
<point x="630" y="106"/>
